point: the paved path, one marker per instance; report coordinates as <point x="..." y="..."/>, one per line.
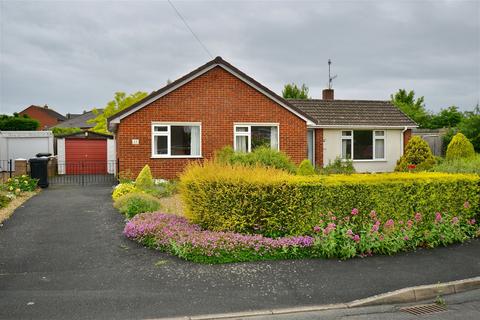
<point x="62" y="256"/>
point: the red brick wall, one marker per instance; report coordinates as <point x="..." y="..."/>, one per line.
<point x="319" y="148"/>
<point x="217" y="99"/>
<point x="44" y="118"/>
<point x="407" y="135"/>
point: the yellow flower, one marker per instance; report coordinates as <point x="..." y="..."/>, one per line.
<point x="11" y="188"/>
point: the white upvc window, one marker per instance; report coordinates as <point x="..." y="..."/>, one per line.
<point x="176" y="140"/>
<point x="249" y="136"/>
<point x="363" y="144"/>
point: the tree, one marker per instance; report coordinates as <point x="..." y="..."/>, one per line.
<point x="470" y="127"/>
<point x="121" y="101"/>
<point x="18" y="123"/>
<point x="417" y="156"/>
<point x="459" y="148"/>
<point x="59" y="131"/>
<point x="446" y="118"/>
<point x="414" y="108"/>
<point x="292" y="91"/>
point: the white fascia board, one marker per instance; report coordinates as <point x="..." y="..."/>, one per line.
<point x="358" y="126"/>
<point x="147" y="102"/>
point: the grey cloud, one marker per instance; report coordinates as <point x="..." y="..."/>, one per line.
<point x="75" y="55"/>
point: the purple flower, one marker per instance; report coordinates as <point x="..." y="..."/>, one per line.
<point x="354" y="211"/>
<point x="438" y="217"/>
<point x="317" y="229"/>
<point x="389" y="224"/>
<point x="454" y="220"/>
<point x="356" y="238"/>
<point x="418" y="216"/>
<point x="406" y="238"/>
<point x="373" y="214"/>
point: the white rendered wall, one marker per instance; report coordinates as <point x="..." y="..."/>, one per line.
<point x="111" y="156"/>
<point x="332" y="148"/>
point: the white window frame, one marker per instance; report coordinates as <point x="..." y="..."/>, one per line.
<point x="374" y="142"/>
<point x="248" y="134"/>
<point x="169" y="142"/>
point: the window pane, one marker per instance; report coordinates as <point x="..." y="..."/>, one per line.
<point x="160" y="129"/>
<point x="362" y="144"/>
<point x="241" y="129"/>
<point x="346" y="149"/>
<point x="161" y="145"/>
<point x="184" y="140"/>
<point x="379" y="133"/>
<point x="241" y="143"/>
<point x="261" y="136"/>
<point x="346" y="133"/>
<point x="379" y="148"/>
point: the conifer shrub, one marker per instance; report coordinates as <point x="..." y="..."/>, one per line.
<point x="306" y="168"/>
<point x="417" y="157"/>
<point x="460" y="147"/>
<point x="123" y="189"/>
<point x="144" y="179"/>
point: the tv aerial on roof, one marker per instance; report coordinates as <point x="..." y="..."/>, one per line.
<point x="330" y="77"/>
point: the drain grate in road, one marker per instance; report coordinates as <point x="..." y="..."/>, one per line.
<point x="424" y="309"/>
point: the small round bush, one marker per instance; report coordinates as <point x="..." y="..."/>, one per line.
<point x="418" y="156"/>
<point x="4" y="199"/>
<point x="137" y="202"/>
<point x="145" y="179"/>
<point x="123" y="189"/>
<point x="306" y="168"/>
<point x="460" y="147"/>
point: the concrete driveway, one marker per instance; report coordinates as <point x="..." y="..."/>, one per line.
<point x="63" y="256"/>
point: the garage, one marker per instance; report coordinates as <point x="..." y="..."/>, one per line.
<point x="86" y="153"/>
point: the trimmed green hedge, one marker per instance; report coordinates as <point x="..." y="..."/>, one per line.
<point x="275" y="203"/>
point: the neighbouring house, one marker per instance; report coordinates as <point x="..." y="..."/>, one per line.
<point x="79" y="120"/>
<point x="86" y="153"/>
<point x="217" y="105"/>
<point x="46" y="116"/>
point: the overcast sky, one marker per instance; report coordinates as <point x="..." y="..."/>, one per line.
<point x="74" y="55"/>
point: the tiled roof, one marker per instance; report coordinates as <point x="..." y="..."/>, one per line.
<point x="79" y="121"/>
<point x="353" y="112"/>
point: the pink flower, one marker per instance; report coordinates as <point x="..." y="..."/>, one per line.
<point x="389" y="224"/>
<point x="471" y="222"/>
<point x="375" y="228"/>
<point x="438" y="217"/>
<point x="334" y="218"/>
<point x="405" y="238"/>
<point x="349" y="232"/>
<point x="418" y="216"/>
<point x="400" y="222"/>
<point x="466" y="205"/>
<point x="409" y="224"/>
<point x="454" y="220"/>
<point x="347" y="218"/>
<point x="356" y="238"/>
<point x="373" y="214"/>
<point x="317" y="229"/>
<point x="354" y="211"/>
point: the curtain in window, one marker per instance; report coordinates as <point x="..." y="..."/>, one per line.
<point x="274" y="138"/>
<point x="379" y="148"/>
<point x="241" y="143"/>
<point x="195" y="141"/>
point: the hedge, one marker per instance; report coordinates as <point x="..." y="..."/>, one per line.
<point x="275" y="203"/>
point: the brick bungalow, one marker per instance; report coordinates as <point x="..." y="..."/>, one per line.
<point x="218" y="105"/>
<point x="46" y="116"/>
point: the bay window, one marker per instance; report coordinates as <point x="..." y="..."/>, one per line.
<point x="363" y="144"/>
<point x="248" y="137"/>
<point x="176" y="140"/>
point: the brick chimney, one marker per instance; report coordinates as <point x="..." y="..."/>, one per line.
<point x="327" y="94"/>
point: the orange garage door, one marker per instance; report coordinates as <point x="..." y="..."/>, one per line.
<point x="84" y="156"/>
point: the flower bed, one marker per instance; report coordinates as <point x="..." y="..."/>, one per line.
<point x="343" y="238"/>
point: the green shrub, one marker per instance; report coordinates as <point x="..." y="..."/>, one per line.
<point x="123" y="189"/>
<point x="163" y="189"/>
<point x="338" y="166"/>
<point x="144" y="179"/>
<point x="134" y="203"/>
<point x="417" y="156"/>
<point x="262" y="156"/>
<point x="18" y="123"/>
<point x="274" y="203"/>
<point x="4" y="199"/>
<point x="462" y="165"/>
<point x="460" y="147"/>
<point x="306" y="168"/>
<point x="58" y="131"/>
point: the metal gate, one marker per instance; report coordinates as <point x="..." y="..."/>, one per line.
<point x="85" y="173"/>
